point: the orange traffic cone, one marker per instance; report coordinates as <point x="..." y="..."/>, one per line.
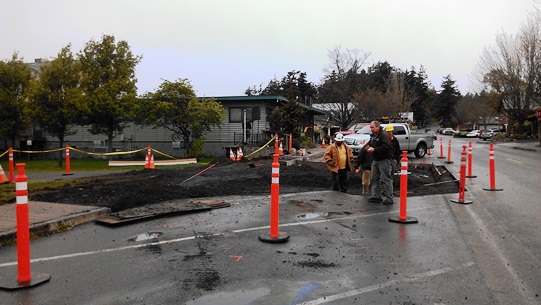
<point x="280" y="150"/>
<point x="239" y="154"/>
<point x="146" y="162"/>
<point x="232" y="155"/>
<point x="152" y="165"/>
<point x="3" y="177"/>
<point x="323" y="143"/>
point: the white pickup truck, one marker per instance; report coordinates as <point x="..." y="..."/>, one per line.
<point x="418" y="143"/>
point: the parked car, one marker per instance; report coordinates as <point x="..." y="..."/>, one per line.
<point x="462" y="133"/>
<point x="487" y="134"/>
<point x="448" y="131"/>
<point x="473" y="134"/>
<point x="411" y="141"/>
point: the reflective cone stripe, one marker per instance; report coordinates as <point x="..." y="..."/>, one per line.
<point x="23" y="228"/>
<point x="11" y="167"/>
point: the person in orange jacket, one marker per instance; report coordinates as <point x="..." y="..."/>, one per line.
<point x="339" y="159"/>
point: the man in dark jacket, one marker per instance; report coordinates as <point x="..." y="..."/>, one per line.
<point x="382" y="151"/>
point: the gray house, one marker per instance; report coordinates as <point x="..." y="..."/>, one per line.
<point x="231" y="133"/>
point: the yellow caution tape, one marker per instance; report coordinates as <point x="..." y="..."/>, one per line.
<point x="109" y="153"/>
<point x="259" y="149"/>
<point x="163" y="154"/>
<point x="37" y="151"/>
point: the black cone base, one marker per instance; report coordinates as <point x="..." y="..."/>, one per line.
<point x="488" y="189"/>
<point x="13" y="284"/>
<point x="471" y="176"/>
<point x="462" y="202"/>
<point x="281" y="238"/>
<point x="407" y="220"/>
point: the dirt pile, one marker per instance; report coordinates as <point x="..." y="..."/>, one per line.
<point x="141" y="187"/>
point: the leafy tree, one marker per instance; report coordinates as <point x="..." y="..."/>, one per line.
<point x="446" y="103"/>
<point x="55" y="98"/>
<point x="174" y="106"/>
<point x="108" y="81"/>
<point x="15" y="77"/>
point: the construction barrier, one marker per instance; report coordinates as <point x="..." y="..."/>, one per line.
<point x="24" y="276"/>
<point x="402" y="217"/>
<point x="470" y="161"/>
<point x="449" y="153"/>
<point x="492" y="170"/>
<point x="462" y="181"/>
<point x="441" y="150"/>
<point x="275" y="236"/>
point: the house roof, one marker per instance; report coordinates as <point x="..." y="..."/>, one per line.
<point x="277" y="98"/>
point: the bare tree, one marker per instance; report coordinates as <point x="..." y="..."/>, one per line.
<point x="341" y="82"/>
<point x="400" y="98"/>
<point x="512" y="69"/>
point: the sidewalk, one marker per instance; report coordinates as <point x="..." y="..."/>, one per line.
<point x="47" y="217"/>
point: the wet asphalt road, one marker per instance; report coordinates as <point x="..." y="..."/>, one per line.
<point x="342" y="250"/>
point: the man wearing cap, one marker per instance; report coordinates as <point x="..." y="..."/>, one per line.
<point x="397" y="154"/>
<point x="339" y="159"/>
<point x="382" y="150"/>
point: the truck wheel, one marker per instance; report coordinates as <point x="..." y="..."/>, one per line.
<point x="420" y="151"/>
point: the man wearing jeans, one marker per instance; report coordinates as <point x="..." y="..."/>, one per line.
<point x="381" y="148"/>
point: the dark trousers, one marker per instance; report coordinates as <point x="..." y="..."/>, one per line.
<point x="340" y="180"/>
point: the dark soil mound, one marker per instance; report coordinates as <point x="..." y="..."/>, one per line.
<point x="136" y="188"/>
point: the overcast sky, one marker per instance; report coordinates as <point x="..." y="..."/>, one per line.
<point x="225" y="46"/>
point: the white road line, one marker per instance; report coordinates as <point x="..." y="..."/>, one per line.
<point x="513" y="160"/>
<point x="163" y="242"/>
<point x="415" y="277"/>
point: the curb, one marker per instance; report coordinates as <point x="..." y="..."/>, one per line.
<point x="59" y="224"/>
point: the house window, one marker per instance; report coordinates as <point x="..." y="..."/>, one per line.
<point x="236" y="114"/>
